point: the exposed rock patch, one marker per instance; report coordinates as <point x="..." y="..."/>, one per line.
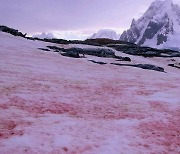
<point x="175" y="65"/>
<point x="73" y="54"/>
<point x="144" y="51"/>
<point x="98" y="62"/>
<point x="44" y="49"/>
<point x="11" y="31"/>
<point x="143" y="66"/>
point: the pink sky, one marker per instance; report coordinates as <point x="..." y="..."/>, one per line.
<point x="70" y="18"/>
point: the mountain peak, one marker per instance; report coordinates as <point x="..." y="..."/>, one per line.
<point x="162" y="2"/>
<point x="44" y="35"/>
<point x="159" y="24"/>
<point x="106" y="33"/>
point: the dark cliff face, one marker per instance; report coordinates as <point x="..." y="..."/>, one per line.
<point x="161" y="29"/>
<point x="132" y="34"/>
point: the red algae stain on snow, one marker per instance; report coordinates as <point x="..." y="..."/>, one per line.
<point x="3" y="106"/>
<point x="101" y="111"/>
<point x="60" y="108"/>
<point x="160" y="134"/>
<point x="7" y="90"/>
<point x="110" y="89"/>
<point x="74" y="150"/>
<point x="114" y="112"/>
<point x="144" y="92"/>
<point x="7" y="129"/>
<point x="165" y="135"/>
<point x="158" y="106"/>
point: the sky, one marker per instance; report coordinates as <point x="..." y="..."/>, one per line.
<point x="71" y="19"/>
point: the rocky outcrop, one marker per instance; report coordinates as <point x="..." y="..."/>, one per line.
<point x="143" y="66"/>
<point x="43" y="49"/>
<point x="104" y="42"/>
<point x="71" y="53"/>
<point x="99" y="52"/>
<point x="119" y="58"/>
<point x="144" y="51"/>
<point x="55" y="48"/>
<point x="11" y="31"/>
<point x="98" y="62"/>
<point x="175" y="65"/>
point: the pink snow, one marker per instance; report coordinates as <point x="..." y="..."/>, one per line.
<point x="55" y="104"/>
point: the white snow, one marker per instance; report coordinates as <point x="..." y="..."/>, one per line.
<point x="55" y="104"/>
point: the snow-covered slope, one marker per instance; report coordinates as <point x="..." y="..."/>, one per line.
<point x="55" y="104"/>
<point x="106" y="33"/>
<point x="44" y="35"/>
<point x="158" y="27"/>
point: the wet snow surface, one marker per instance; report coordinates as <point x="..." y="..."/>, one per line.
<point x="54" y="104"/>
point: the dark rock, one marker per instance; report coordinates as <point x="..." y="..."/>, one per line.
<point x="11" y="31"/>
<point x="150" y="67"/>
<point x="174" y="65"/>
<point x="56" y="51"/>
<point x="172" y="60"/>
<point x="55" y="48"/>
<point x="151" y="31"/>
<point x="143" y="66"/>
<point x="99" y="52"/>
<point x="126" y="59"/>
<point x="71" y="53"/>
<point x="104" y="42"/>
<point x="175" y="54"/>
<point x="144" y="51"/>
<point x="123" y="58"/>
<point x="44" y="49"/>
<point x="79" y="50"/>
<point x="98" y="62"/>
<point x="54" y="40"/>
<point x="30" y="38"/>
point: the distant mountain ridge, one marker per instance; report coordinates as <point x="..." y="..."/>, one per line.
<point x="159" y="26"/>
<point x="106" y="33"/>
<point x="44" y="36"/>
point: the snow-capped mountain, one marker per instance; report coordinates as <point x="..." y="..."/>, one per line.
<point x="158" y="27"/>
<point x="44" y="35"/>
<point x="106" y="33"/>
